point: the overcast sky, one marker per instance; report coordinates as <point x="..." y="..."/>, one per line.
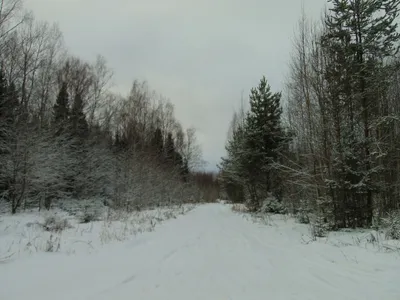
<point x="201" y="54"/>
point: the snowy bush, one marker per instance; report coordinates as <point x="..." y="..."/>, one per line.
<point x="319" y="228"/>
<point x="91" y="212"/>
<point x="392" y="225"/>
<point x="272" y="205"/>
<point x="54" y="223"/>
<point x="88" y="216"/>
<point x="303" y="214"/>
<point x="303" y="218"/>
<point x="75" y="207"/>
<point x="238" y="207"/>
<point x="53" y="244"/>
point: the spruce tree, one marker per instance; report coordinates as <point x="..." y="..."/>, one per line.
<point x="264" y="138"/>
<point x="3" y="95"/>
<point x="8" y="101"/>
<point x="3" y="111"/>
<point x="184" y="168"/>
<point x="360" y="38"/>
<point x="80" y="127"/>
<point x="61" y="109"/>
<point x="4" y="132"/>
<point x="9" y="104"/>
<point x="8" y="113"/>
<point x="235" y="171"/>
<point x="79" y="131"/>
<point x="175" y="160"/>
<point x="170" y="149"/>
<point x="157" y="143"/>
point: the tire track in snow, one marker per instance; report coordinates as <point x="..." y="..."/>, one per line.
<point x="214" y="254"/>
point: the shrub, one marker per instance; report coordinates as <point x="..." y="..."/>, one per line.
<point x="392" y="225"/>
<point x="54" y="223"/>
<point x="87" y="217"/>
<point x="304" y="212"/>
<point x="319" y="228"/>
<point x="272" y="205"/>
<point x="53" y="244"/>
<point x="93" y="210"/>
<point x="303" y="218"/>
<point x="239" y="207"/>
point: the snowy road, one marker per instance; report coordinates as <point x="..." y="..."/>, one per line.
<point x="210" y="253"/>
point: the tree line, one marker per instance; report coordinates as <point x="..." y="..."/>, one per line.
<point x="329" y="145"/>
<point x="65" y="135"/>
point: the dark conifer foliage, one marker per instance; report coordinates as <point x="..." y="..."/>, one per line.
<point x="61" y="109"/>
<point x="79" y="125"/>
<point x="254" y="148"/>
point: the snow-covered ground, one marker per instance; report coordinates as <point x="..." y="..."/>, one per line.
<point x="211" y="253"/>
<point x="24" y="235"/>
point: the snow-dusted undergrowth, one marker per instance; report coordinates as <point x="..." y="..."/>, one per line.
<point x="59" y="231"/>
<point x="372" y="240"/>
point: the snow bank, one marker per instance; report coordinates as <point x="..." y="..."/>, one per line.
<point x="371" y="240"/>
<point x="24" y="234"/>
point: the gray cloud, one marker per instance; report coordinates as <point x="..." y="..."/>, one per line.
<point x="199" y="54"/>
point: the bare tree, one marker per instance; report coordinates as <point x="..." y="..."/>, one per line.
<point x="97" y="99"/>
<point x="191" y="151"/>
<point x="10" y="18"/>
<point x="78" y="76"/>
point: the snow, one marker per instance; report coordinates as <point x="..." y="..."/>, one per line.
<point x="23" y="235"/>
<point x="210" y="253"/>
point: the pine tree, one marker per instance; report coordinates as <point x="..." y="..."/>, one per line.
<point x="80" y="127"/>
<point x="170" y="149"/>
<point x="79" y="131"/>
<point x="360" y="38"/>
<point x="61" y="109"/>
<point x="9" y="104"/>
<point x="8" y="114"/>
<point x="173" y="159"/>
<point x="235" y="172"/>
<point x="3" y="96"/>
<point x="4" y="131"/>
<point x="157" y="142"/>
<point x="8" y="101"/>
<point x="184" y="168"/>
<point x="264" y="137"/>
<point x="3" y="111"/>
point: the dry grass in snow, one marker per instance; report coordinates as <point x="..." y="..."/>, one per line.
<point x="57" y="231"/>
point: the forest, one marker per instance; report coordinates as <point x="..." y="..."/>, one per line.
<point x="65" y="136"/>
<point x="105" y="194"/>
<point x="327" y="147"/>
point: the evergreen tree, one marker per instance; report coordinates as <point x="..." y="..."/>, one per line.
<point x="8" y="101"/>
<point x="175" y="160"/>
<point x="253" y="150"/>
<point x="360" y="38"/>
<point x="79" y="131"/>
<point x="170" y="149"/>
<point x="80" y="128"/>
<point x="235" y="172"/>
<point x="3" y="96"/>
<point x="61" y="109"/>
<point x="184" y="167"/>
<point x="4" y="131"/>
<point x="9" y="105"/>
<point x="157" y="142"/>
<point x="4" y="111"/>
<point x="264" y="137"/>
